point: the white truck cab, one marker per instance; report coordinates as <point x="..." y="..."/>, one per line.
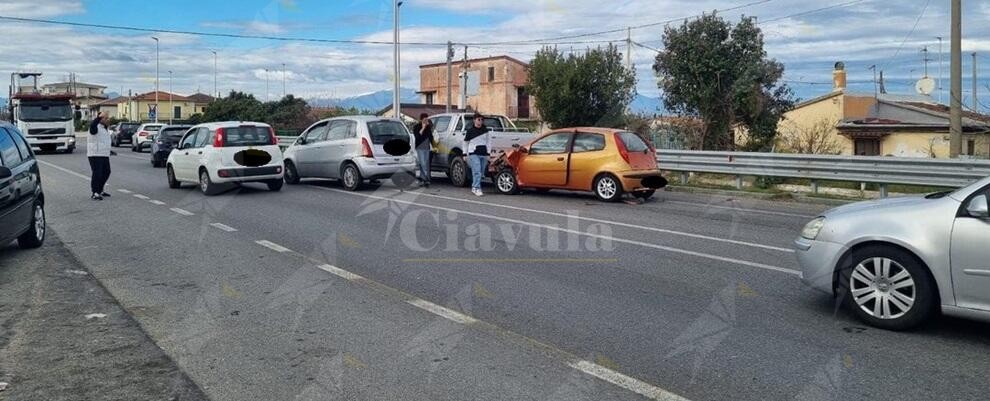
<point x="448" y="130"/>
<point x="45" y="120"/>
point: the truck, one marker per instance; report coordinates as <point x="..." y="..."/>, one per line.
<point x="46" y="120"/>
<point x="448" y="130"/>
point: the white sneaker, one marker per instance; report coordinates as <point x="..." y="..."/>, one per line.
<point x="477" y="192"/>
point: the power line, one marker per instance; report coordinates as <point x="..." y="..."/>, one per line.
<point x="817" y="10"/>
<point x="911" y="32"/>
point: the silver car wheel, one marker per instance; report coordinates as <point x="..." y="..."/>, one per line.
<point x="349" y="177"/>
<point x="607" y="187"/>
<point x="505" y="182"/>
<point x="39" y="222"/>
<point x="204" y="182"/>
<point x="882" y="288"/>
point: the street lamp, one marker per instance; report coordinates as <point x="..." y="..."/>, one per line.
<point x="157" y="57"/>
<point x="215" y="92"/>
<point x="171" y="106"/>
<point x="283" y="80"/>
<point x="267" y="92"/>
<point x="395" y="39"/>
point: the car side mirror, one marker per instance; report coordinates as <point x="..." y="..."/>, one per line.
<point x="978" y="207"/>
<point x="522" y="149"/>
<point x="5" y="173"/>
<point x="301" y="141"/>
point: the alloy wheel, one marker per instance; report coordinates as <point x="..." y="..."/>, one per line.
<point x="39" y="222"/>
<point x="882" y="288"/>
<point x="349" y="177"/>
<point x="505" y="182"/>
<point x="607" y="187"/>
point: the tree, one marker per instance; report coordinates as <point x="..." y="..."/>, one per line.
<point x="721" y="74"/>
<point x="818" y="138"/>
<point x="287" y="113"/>
<point x="590" y="89"/>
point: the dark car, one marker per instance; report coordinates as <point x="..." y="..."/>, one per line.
<point x="123" y="133"/>
<point x="164" y="141"/>
<point x="22" y="203"/>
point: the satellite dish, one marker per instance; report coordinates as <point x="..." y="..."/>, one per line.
<point x="925" y="86"/>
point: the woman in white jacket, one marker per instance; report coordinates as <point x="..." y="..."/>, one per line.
<point x="98" y="151"/>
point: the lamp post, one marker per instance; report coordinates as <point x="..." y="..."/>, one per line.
<point x="395" y="38"/>
<point x="157" y="58"/>
<point x="215" y="91"/>
<point x="267" y="92"/>
<point x="283" y="80"/>
<point x="171" y="106"/>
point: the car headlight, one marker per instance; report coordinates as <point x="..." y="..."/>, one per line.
<point x="813" y="227"/>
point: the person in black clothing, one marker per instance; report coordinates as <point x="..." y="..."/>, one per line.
<point x="423" y="131"/>
<point x="476" y="142"/>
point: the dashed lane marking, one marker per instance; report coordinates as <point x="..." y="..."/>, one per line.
<point x="273" y="246"/>
<point x="124" y="191"/>
<point x="224" y="227"/>
<point x="156" y="202"/>
<point x="336" y="271"/>
<point x="443" y="312"/>
<point x="182" y="211"/>
<point x="629" y="383"/>
<point x="141" y="197"/>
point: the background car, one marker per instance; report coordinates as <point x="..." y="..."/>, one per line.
<point x="123" y="133"/>
<point x="22" y="202"/>
<point x="895" y="262"/>
<point x="353" y="149"/>
<point x="143" y="136"/>
<point x="226" y="152"/>
<point x="601" y="160"/>
<point x="166" y="139"/>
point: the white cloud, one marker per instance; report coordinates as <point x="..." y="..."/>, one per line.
<point x="36" y="9"/>
<point x="251" y="27"/>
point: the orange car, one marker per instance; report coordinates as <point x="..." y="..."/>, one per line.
<point x="608" y="162"/>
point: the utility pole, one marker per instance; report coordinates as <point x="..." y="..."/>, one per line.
<point x="938" y="84"/>
<point x="171" y="105"/>
<point x="925" y="60"/>
<point x="883" y="89"/>
<point x="215" y="91"/>
<point x="157" y="58"/>
<point x="283" y="81"/>
<point x="629" y="49"/>
<point x="464" y="80"/>
<point x="955" y="75"/>
<point x="450" y="73"/>
<point x="267" y="91"/>
<point x="876" y="95"/>
<point x="395" y="42"/>
<point x="975" y="103"/>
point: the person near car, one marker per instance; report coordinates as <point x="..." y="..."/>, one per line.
<point x="423" y="131"/>
<point x="98" y="152"/>
<point x="476" y="143"/>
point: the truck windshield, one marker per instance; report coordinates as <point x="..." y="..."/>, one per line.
<point x="45" y="111"/>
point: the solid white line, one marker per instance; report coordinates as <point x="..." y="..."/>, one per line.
<point x="85" y="177"/>
<point x="273" y="246"/>
<point x="182" y="211"/>
<point x="441" y="311"/>
<point x="124" y="191"/>
<point x="346" y="275"/>
<point x="224" y="227"/>
<point x="626" y="382"/>
<point x="156" y="202"/>
<point x="605" y="237"/>
<point x="615" y="223"/>
<point x="135" y="158"/>
<point x="141" y="197"/>
<point x="739" y="209"/>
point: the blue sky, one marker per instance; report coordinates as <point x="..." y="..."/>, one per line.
<point x="862" y="34"/>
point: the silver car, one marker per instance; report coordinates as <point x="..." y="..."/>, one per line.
<point x="898" y="261"/>
<point x="353" y="149"/>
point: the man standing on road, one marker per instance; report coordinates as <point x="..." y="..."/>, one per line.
<point x="476" y="145"/>
<point x="98" y="152"/>
<point x="423" y="130"/>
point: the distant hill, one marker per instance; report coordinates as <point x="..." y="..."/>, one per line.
<point x="646" y="105"/>
<point x="373" y="101"/>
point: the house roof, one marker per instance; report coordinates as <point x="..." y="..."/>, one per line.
<point x="201" y="98"/>
<point x="908" y="115"/>
<point x="80" y="84"/>
<point x="415" y="109"/>
<point x="110" y="102"/>
<point x="476" y="60"/>
<point x="162" y="96"/>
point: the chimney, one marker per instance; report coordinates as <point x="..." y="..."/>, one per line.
<point x="839" y="77"/>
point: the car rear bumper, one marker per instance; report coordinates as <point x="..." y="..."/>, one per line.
<point x="818" y="260"/>
<point x="247" y="174"/>
<point x="372" y="170"/>
<point x="642" y="180"/>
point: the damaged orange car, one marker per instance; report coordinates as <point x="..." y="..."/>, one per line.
<point x="608" y="162"/>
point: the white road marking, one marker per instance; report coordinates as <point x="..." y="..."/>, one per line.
<point x="124" y="191"/>
<point x="739" y="209"/>
<point x="96" y="316"/>
<point x="156" y="202"/>
<point x="632" y="384"/>
<point x="182" y="211"/>
<point x="273" y="246"/>
<point x="224" y="227"/>
<point x="141" y="197"/>
<point x="605" y="237"/>
<point x="346" y="275"/>
<point x="65" y="170"/>
<point x="615" y="223"/>
<point x="135" y="157"/>
<point x="445" y="313"/>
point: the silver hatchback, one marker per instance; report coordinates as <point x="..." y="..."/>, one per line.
<point x="353" y="149"/>
<point x="895" y="262"/>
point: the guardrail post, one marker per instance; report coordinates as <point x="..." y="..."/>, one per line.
<point x="814" y="187"/>
<point x="684" y="177"/>
<point x="883" y="190"/>
<point x="739" y="182"/>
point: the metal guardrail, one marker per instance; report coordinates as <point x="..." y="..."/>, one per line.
<point x="284" y="141"/>
<point x="881" y="170"/>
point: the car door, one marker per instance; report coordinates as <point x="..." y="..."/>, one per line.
<point x="440" y="126"/>
<point x="306" y="151"/>
<point x="339" y="146"/>
<point x="545" y="163"/>
<point x="182" y="160"/>
<point x="587" y="156"/>
<point x="15" y="192"/>
<point x="970" y="255"/>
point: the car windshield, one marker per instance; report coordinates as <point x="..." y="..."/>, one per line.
<point x="247" y="136"/>
<point x="45" y="111"/>
<point x="173" y="134"/>
<point x="383" y="131"/>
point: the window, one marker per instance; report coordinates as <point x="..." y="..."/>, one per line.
<point x="190" y="139"/>
<point x="429" y="98"/>
<point x="633" y="142"/>
<point x="250" y="135"/>
<point x="555" y="143"/>
<point x="387" y="130"/>
<point x="971" y="147"/>
<point x="867" y="147"/>
<point x="21" y="144"/>
<point x="9" y="156"/>
<point x="585" y="142"/>
<point x="203" y="137"/>
<point x="317" y="133"/>
<point x="177" y="112"/>
<point x="491" y="74"/>
<point x="440" y="124"/>
<point x="342" y="129"/>
<point x="460" y="124"/>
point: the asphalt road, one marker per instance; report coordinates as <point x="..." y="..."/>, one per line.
<point x="315" y="293"/>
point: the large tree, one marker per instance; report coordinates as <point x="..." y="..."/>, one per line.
<point x="287" y="113"/>
<point x="720" y="72"/>
<point x="590" y="89"/>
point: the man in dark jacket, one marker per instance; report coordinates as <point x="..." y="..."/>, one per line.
<point x="476" y="144"/>
<point x="423" y="131"/>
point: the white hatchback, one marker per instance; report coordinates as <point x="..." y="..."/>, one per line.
<point x="144" y="135"/>
<point x="214" y="154"/>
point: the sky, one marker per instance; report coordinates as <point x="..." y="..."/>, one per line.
<point x="808" y="41"/>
